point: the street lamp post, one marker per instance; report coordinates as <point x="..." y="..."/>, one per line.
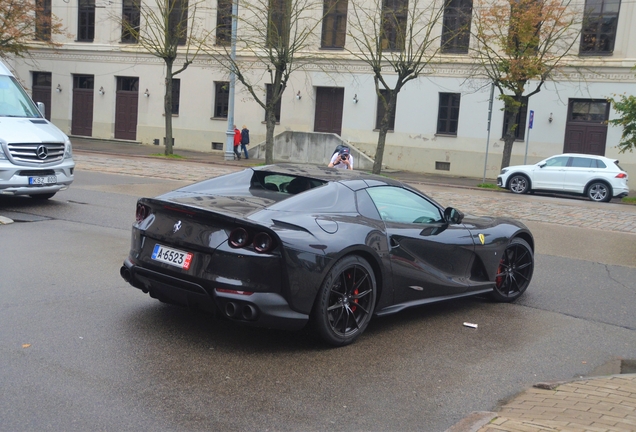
<point x="229" y="146"/>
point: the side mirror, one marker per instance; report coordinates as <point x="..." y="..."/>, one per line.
<point x="452" y="215"/>
<point x="541" y="165"/>
<point x="41" y="108"/>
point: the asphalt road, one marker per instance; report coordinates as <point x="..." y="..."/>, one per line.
<point x="83" y="351"/>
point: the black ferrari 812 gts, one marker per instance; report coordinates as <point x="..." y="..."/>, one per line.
<point x="285" y="246"/>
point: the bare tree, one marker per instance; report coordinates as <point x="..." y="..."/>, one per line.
<point x="167" y="29"/>
<point x="522" y="42"/>
<point x="272" y="42"/>
<point x="398" y="39"/>
<point x="25" y="21"/>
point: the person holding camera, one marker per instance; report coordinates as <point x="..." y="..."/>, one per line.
<point x="342" y="159"/>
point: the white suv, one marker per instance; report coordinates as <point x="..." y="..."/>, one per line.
<point x="597" y="177"/>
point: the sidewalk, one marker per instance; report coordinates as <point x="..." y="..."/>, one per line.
<point x="605" y="403"/>
<point x="218" y="158"/>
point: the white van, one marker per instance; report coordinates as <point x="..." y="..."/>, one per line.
<point x="36" y="158"/>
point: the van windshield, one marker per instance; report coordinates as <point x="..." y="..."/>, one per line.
<point x="14" y="102"/>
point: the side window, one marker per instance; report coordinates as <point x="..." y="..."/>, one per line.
<point x="334" y="24"/>
<point x="560" y="161"/>
<point x="403" y="206"/>
<point x="86" y="21"/>
<point x="221" y="99"/>
<point x="176" y="92"/>
<point x="600" y="21"/>
<point x="582" y="162"/>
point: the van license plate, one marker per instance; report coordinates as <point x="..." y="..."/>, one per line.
<point x="42" y="180"/>
<point x="171" y="256"/>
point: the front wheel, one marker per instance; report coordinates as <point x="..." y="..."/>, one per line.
<point x="519" y="184"/>
<point x="514" y="272"/>
<point x="345" y="301"/>
<point x="599" y="192"/>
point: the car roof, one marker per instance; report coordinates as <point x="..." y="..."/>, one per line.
<point x="584" y="155"/>
<point x="4" y="70"/>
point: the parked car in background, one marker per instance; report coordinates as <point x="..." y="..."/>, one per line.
<point x="597" y="177"/>
<point x="36" y="158"/>
<point x="283" y="246"/>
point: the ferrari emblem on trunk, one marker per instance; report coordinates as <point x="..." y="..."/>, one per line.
<point x="482" y="238"/>
<point x="177" y="227"/>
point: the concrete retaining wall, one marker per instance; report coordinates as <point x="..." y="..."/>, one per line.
<point x="309" y="147"/>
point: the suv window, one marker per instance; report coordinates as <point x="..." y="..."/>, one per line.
<point x="559" y="161"/>
<point x="582" y="162"/>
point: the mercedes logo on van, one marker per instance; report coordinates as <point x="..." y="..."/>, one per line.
<point x="42" y="152"/>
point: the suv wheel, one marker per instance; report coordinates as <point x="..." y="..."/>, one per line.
<point x="519" y="184"/>
<point x="599" y="192"/>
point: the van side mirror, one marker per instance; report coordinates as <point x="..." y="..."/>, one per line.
<point x="42" y="108"/>
<point x="453" y="216"/>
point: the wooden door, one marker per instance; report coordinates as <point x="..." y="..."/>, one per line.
<point x="329" y="103"/>
<point x="83" y="90"/>
<point x="42" y="91"/>
<point x="586" y="129"/>
<point x="126" y="103"/>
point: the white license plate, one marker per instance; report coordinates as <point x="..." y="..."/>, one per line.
<point x="42" y="180"/>
<point x="171" y="256"/>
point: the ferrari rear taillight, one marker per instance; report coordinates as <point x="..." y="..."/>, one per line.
<point x="261" y="241"/>
<point x="142" y="212"/>
<point x="239" y="238"/>
<point x="621" y="175"/>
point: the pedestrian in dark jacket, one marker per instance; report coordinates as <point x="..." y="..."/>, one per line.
<point x="237" y="141"/>
<point x="245" y="140"/>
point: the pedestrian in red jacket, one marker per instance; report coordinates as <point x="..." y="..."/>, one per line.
<point x="237" y="142"/>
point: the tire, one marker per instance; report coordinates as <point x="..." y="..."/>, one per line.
<point x="514" y="271"/>
<point x="42" y="197"/>
<point x="599" y="192"/>
<point x="345" y="302"/>
<point x="519" y="184"/>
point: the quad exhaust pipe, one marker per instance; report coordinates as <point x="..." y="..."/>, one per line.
<point x="235" y="310"/>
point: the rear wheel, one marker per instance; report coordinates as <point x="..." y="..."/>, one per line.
<point x="519" y="184"/>
<point x="599" y="192"/>
<point x="514" y="272"/>
<point x="345" y="301"/>
<point x="42" y="197"/>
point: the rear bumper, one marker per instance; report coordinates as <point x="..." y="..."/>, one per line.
<point x="268" y="310"/>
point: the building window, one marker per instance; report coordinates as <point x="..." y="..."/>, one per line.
<point x="224" y="22"/>
<point x="176" y="91"/>
<point x="448" y="113"/>
<point x="221" y="99"/>
<point x="520" y="121"/>
<point x="178" y="21"/>
<point x="86" y="21"/>
<point x="456" y="26"/>
<point x="381" y="110"/>
<point x="43" y="20"/>
<point x="599" y="26"/>
<point x="334" y="24"/>
<point x="130" y="21"/>
<point x="270" y="88"/>
<point x="394" y="18"/>
<point x="588" y="111"/>
<point x="278" y="23"/>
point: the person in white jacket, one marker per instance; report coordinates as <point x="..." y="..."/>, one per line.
<point x="342" y="159"/>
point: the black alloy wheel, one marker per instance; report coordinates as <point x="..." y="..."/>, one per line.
<point x="519" y="184"/>
<point x="514" y="271"/>
<point x="599" y="192"/>
<point x="345" y="302"/>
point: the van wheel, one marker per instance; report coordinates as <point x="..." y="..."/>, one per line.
<point x="42" y="197"/>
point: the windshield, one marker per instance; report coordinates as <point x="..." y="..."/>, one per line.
<point x="14" y="102"/>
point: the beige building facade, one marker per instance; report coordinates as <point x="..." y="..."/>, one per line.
<point x="93" y="84"/>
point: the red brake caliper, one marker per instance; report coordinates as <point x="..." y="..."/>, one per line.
<point x="499" y="279"/>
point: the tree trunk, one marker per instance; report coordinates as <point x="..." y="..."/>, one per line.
<point x="167" y="108"/>
<point x="384" y="128"/>
<point x="270" y="125"/>
<point x="510" y="118"/>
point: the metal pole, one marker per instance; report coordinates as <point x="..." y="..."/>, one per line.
<point x="229" y="146"/>
<point x="530" y="122"/>
<point x="492" y="94"/>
